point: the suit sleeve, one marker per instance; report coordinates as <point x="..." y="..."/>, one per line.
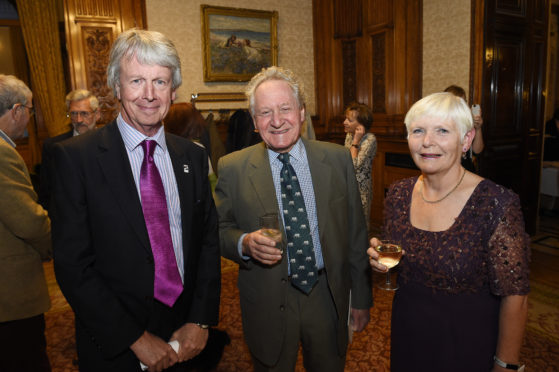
<point x="110" y="325"/>
<point x="362" y="294"/>
<point x="19" y="211"/>
<point x="228" y="229"/>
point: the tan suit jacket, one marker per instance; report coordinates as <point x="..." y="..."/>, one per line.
<point x="245" y="191"/>
<point x="24" y="241"/>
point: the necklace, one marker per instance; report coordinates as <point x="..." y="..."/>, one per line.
<point x="444" y="197"/>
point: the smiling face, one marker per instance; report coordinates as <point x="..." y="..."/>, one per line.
<point x="350" y="122"/>
<point x="277" y="115"/>
<point x="435" y="144"/>
<point x="145" y="93"/>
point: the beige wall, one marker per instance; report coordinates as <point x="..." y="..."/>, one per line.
<point x="180" y="20"/>
<point x="446" y="44"/>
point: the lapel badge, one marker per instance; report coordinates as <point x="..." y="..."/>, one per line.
<point x="185" y="168"/>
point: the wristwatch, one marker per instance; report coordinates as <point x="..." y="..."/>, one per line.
<point x="514" y="367"/>
<point x="354" y="145"/>
<point x="203" y="326"/>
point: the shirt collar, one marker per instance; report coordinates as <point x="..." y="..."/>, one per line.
<point x="133" y="138"/>
<point x="7" y="139"/>
<point x="297" y="152"/>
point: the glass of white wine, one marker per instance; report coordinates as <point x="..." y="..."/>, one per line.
<point x="269" y="227"/>
<point x="389" y="253"/>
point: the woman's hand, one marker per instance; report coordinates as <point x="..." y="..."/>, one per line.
<point x="373" y="256"/>
<point x="359" y="133"/>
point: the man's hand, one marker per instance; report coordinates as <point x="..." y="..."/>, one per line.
<point x="261" y="248"/>
<point x="155" y="353"/>
<point x="192" y="340"/>
<point x="359" y="319"/>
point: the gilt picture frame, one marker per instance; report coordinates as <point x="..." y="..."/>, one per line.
<point x="237" y="43"/>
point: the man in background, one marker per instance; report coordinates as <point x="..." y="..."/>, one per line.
<point x="83" y="110"/>
<point x="296" y="293"/>
<point x="24" y="242"/>
<point x="135" y="236"/>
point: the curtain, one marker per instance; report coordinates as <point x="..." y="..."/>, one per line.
<point x="38" y="19"/>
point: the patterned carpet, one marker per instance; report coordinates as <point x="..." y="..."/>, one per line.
<point x="370" y="350"/>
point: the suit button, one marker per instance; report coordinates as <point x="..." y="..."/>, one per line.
<point x="149" y="298"/>
<point x="149" y="260"/>
<point x="283" y="280"/>
<point x="282" y="308"/>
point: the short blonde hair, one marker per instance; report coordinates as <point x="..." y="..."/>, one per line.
<point x="275" y="73"/>
<point x="445" y="106"/>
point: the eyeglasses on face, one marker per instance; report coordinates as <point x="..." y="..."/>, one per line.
<point x="76" y="114"/>
<point x="30" y="108"/>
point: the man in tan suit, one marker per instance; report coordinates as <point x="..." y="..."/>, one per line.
<point x="327" y="229"/>
<point x="24" y="242"/>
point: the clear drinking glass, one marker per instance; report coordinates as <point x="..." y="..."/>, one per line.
<point x="390" y="254"/>
<point x="269" y="226"/>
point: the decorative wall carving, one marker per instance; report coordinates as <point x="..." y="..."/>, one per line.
<point x="94" y="8"/>
<point x="97" y="43"/>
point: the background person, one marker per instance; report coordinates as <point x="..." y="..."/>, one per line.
<point x="134" y="226"/>
<point x="324" y="226"/>
<point x="83" y="110"/>
<point x="363" y="148"/>
<point x="24" y="242"/>
<point x="464" y="278"/>
<point x="477" y="145"/>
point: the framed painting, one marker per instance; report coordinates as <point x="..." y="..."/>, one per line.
<point x="237" y="43"/>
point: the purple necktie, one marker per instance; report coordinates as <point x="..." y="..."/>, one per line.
<point x="167" y="285"/>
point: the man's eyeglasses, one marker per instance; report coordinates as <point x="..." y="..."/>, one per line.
<point x="76" y="114"/>
<point x="30" y="108"/>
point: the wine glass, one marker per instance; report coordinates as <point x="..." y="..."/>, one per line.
<point x="269" y="227"/>
<point x="389" y="253"/>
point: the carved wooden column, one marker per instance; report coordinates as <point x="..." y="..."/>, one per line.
<point x="91" y="27"/>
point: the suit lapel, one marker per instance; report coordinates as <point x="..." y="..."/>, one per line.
<point x="321" y="173"/>
<point x="114" y="163"/>
<point x="260" y="176"/>
<point x="184" y="173"/>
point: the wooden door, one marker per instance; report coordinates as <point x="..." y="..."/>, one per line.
<point x="513" y="97"/>
<point x="91" y="27"/>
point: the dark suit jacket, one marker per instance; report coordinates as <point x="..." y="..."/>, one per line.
<point x="245" y="191"/>
<point x="46" y="165"/>
<point x="102" y="255"/>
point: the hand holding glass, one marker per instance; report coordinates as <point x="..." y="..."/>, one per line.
<point x="269" y="227"/>
<point x="390" y="254"/>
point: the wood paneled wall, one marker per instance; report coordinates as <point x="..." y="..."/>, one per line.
<point x="91" y="27"/>
<point x="369" y="51"/>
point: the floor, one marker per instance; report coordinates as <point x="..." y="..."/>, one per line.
<point x="370" y="349"/>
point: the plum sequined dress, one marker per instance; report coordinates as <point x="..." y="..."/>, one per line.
<point x="445" y="313"/>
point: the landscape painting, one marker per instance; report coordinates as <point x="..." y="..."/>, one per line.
<point x="237" y="43"/>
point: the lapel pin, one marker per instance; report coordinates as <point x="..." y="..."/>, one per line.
<point x="185" y="168"/>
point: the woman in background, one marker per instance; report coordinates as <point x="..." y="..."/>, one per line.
<point x="477" y="144"/>
<point x="463" y="283"/>
<point x="363" y="148"/>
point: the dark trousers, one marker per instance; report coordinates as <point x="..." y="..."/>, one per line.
<point x="23" y="346"/>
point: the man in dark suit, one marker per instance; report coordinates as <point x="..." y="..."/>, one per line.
<point x="285" y="301"/>
<point x="83" y="110"/>
<point x="135" y="236"/>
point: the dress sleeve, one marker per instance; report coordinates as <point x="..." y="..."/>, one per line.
<point x="367" y="151"/>
<point x="509" y="252"/>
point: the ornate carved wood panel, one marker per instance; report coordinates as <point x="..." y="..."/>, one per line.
<point x="349" y="71"/>
<point x="91" y="27"/>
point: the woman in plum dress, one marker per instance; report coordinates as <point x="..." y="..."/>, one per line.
<point x="462" y="301"/>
